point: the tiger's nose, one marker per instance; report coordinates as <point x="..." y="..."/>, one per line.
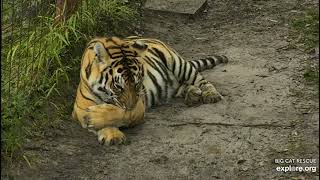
<point x="129" y="79"/>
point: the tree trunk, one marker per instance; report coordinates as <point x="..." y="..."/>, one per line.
<point x="64" y="8"/>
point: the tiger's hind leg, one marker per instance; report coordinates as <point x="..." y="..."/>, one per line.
<point x="190" y="93"/>
<point x="199" y="90"/>
<point x="209" y="92"/>
<point x="194" y="95"/>
<point x="189" y="74"/>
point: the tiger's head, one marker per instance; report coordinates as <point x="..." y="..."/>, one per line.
<point x="113" y="69"/>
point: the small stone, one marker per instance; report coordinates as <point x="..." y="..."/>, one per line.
<point x="245" y="169"/>
<point x="241" y="161"/>
<point x="105" y="172"/>
<point x="69" y="153"/>
<point x="261" y="163"/>
<point x="201" y="38"/>
<point x="55" y="163"/>
<point x="282" y="150"/>
<point x="272" y="20"/>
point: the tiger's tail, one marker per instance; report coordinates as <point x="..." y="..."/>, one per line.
<point x="208" y="62"/>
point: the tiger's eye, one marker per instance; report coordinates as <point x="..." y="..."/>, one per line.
<point x="134" y="68"/>
<point x="120" y="70"/>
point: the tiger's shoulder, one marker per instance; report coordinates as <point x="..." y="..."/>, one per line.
<point x="155" y="47"/>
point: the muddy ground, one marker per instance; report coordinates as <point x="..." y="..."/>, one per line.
<point x="269" y="112"/>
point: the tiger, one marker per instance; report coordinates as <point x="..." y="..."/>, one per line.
<point x="120" y="78"/>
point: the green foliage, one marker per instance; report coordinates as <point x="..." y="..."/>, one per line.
<point x="111" y="15"/>
<point x="306" y="33"/>
<point x="311" y="75"/>
<point x="307" y="28"/>
<point x="12" y="114"/>
<point x="39" y="61"/>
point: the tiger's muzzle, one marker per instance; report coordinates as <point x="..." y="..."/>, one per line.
<point x="129" y="95"/>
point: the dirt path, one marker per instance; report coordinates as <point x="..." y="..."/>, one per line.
<point x="260" y="121"/>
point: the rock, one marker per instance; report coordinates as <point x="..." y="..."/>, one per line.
<point x="241" y="161"/>
<point x="261" y="163"/>
<point x="69" y="153"/>
<point x="295" y="133"/>
<point x="282" y="150"/>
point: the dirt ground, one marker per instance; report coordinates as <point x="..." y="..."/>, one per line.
<point x="269" y="113"/>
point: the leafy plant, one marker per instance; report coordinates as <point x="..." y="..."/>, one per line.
<point x="40" y="57"/>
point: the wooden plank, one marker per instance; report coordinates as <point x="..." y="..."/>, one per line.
<point x="175" y="6"/>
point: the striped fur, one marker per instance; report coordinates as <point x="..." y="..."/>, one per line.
<point x="119" y="78"/>
<point x="166" y="70"/>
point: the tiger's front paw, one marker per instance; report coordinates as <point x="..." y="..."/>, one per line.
<point x="111" y="136"/>
<point x="92" y="121"/>
<point x="100" y="116"/>
<point x="211" y="96"/>
<point x="193" y="95"/>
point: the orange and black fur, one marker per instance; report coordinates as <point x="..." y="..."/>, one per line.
<point x="120" y="78"/>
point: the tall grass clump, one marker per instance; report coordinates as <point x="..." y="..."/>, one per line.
<point x="39" y="57"/>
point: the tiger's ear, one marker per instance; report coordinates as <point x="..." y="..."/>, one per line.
<point x="101" y="52"/>
<point x="139" y="46"/>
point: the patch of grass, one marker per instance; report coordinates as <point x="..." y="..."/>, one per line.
<point x="306" y="33"/>
<point x="12" y="124"/>
<point x="41" y="59"/>
<point x="306" y="28"/>
<point x="311" y="74"/>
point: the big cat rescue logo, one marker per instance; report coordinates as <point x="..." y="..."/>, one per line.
<point x="296" y="165"/>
